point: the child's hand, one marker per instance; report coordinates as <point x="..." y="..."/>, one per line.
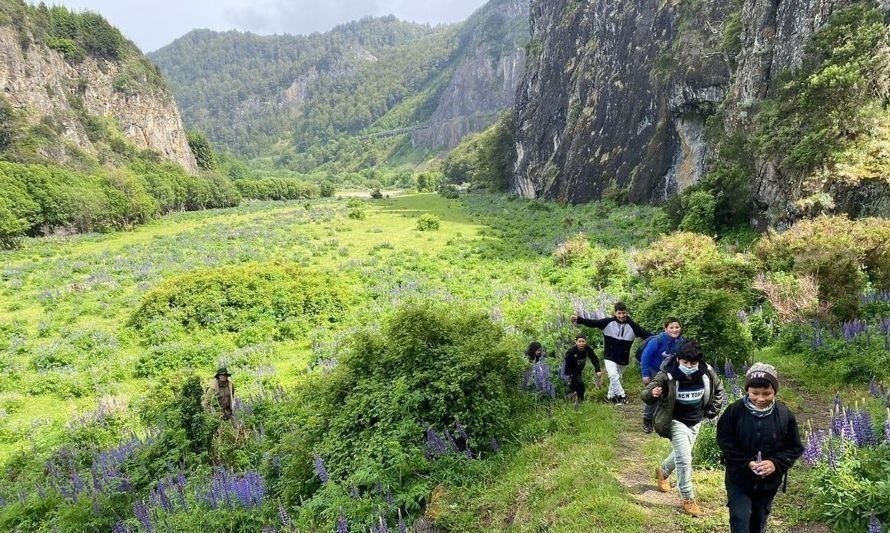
<point x="656" y="392"/>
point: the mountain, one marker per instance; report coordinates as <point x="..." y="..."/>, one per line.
<point x="358" y="93"/>
<point x="74" y="91"/>
<point x="776" y="110"/>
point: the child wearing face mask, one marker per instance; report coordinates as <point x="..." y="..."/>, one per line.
<point x="760" y="442"/>
<point x="685" y="391"/>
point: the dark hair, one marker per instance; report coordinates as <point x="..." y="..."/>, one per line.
<point x="532" y="348"/>
<point x="760" y="383"/>
<point x="690" y="352"/>
<point x="670" y="320"/>
<point x="580" y="336"/>
<point x="619" y="306"/>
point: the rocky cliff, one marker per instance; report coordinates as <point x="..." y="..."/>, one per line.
<point x="490" y="65"/>
<point x="83" y="103"/>
<point x="616" y="95"/>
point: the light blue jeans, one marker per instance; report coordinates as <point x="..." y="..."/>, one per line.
<point x="680" y="459"/>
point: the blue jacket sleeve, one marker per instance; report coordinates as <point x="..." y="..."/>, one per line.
<point x="650" y="354"/>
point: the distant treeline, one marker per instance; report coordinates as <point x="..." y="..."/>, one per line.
<point x="42" y="199"/>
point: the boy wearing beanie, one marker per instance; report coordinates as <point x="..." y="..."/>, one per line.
<point x="760" y="442"/>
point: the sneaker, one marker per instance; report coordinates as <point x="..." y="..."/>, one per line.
<point x="621" y="400"/>
<point x="661" y="481"/>
<point x="691" y="508"/>
<point x="647" y="425"/>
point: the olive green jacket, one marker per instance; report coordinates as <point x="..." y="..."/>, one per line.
<point x="712" y="401"/>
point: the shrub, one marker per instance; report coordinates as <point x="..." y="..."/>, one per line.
<point x="202" y="150"/>
<point x="794" y="299"/>
<point x="698" y="213"/>
<point x="841" y="255"/>
<point x="327" y="190"/>
<point x="709" y="314"/>
<point x="431" y="365"/>
<point x="428" y="222"/>
<point x="574" y="249"/>
<point x="356" y="213"/>
<point x="230" y="299"/>
<point x="449" y="192"/>
<point x="376" y="194"/>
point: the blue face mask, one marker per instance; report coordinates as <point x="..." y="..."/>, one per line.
<point x="689" y="371"/>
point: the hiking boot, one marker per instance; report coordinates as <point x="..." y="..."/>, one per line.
<point x="691" y="508"/>
<point x="647" y="425"/>
<point x="661" y="480"/>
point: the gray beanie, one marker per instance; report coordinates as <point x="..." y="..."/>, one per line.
<point x="762" y="371"/>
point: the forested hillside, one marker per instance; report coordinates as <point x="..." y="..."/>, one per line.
<point x="332" y="100"/>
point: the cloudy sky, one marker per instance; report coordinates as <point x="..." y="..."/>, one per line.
<point x="153" y="24"/>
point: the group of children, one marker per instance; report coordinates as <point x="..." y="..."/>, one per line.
<point x="758" y="436"/>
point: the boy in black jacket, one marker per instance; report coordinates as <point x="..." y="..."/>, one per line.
<point x="619" y="332"/>
<point x="574" y="365"/>
<point x="760" y="442"/>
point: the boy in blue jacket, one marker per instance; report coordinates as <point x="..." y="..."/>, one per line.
<point x="657" y="351"/>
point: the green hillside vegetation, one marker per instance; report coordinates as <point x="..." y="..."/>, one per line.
<point x="374" y="75"/>
<point x="827" y="122"/>
<point x="379" y="367"/>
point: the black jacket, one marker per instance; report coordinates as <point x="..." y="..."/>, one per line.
<point x="741" y="434"/>
<point x="575" y="360"/>
<point x="617" y="337"/>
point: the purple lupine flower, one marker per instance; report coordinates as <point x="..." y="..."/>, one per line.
<point x="863" y="431"/>
<point x="729" y="370"/>
<point x="342" y="524"/>
<point x="143" y="515"/>
<point x="495" y="445"/>
<point x="449" y="440"/>
<point x="814" y="446"/>
<point x="874" y="525"/>
<point x="384" y="528"/>
<point x="743" y="316"/>
<point x="853" y="329"/>
<point x="320" y="470"/>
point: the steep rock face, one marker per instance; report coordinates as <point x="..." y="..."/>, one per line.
<point x="39" y="82"/>
<point x="492" y="61"/>
<point x="607" y="100"/>
<point x="617" y="94"/>
<point x="480" y="89"/>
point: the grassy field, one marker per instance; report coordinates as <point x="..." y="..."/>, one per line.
<point x="68" y="351"/>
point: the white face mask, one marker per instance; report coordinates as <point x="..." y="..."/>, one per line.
<point x="688" y="371"/>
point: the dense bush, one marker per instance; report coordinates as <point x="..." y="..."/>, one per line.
<point x="697" y="255"/>
<point x="202" y="150"/>
<point x="851" y="353"/>
<point x="431" y="365"/>
<point x="276" y="189"/>
<point x="232" y="299"/>
<point x="698" y="213"/>
<point x="428" y="222"/>
<point x="49" y="198"/>
<point x="840" y="254"/>
<point x="709" y="314"/>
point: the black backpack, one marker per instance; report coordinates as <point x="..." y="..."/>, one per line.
<point x="639" y="354"/>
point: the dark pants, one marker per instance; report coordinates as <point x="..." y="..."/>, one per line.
<point x="649" y="410"/>
<point x="576" y="385"/>
<point x="749" y="510"/>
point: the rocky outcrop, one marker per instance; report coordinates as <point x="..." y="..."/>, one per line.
<point x="481" y="88"/>
<point x="490" y="65"/>
<point x="38" y="82"/>
<point x="612" y="99"/>
<point x="616" y="94"/>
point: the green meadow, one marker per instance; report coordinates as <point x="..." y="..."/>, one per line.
<point x="314" y="306"/>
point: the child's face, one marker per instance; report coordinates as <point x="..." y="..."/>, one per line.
<point x="580" y="343"/>
<point x="761" y="397"/>
<point x="673" y="330"/>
